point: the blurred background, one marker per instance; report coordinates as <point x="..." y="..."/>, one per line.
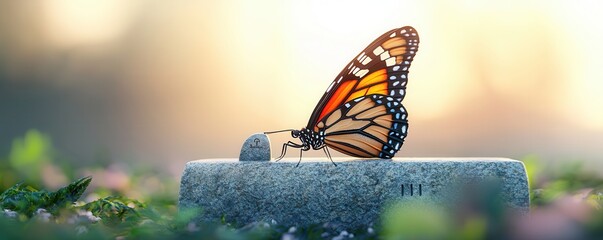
<point x="165" y="82"/>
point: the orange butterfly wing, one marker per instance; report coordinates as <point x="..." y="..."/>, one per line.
<point x="361" y="113"/>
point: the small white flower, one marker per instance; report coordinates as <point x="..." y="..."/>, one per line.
<point x="370" y="230"/>
<point x="292" y="229"/>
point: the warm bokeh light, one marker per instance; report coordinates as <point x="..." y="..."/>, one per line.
<point x="174" y="81"/>
<point x="72" y="23"/>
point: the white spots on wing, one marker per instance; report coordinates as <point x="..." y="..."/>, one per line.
<point x="362" y="55"/>
<point x="392" y="92"/>
<point x="392" y="78"/>
<point x="330" y="86"/>
<point x="401" y="91"/>
<point x="350" y="66"/>
<point x="396" y="83"/>
<point x="403" y="76"/>
<point x="413" y="34"/>
<point x="397" y="147"/>
<point x="340" y="78"/>
<point x="384" y="55"/>
<point x="404" y="129"/>
<point x="361" y="73"/>
<point x="393" y="34"/>
<point x="347" y="105"/>
<point x="405" y="69"/>
<point x="397" y="115"/>
<point x="396" y="68"/>
<point x="366" y="60"/>
<point x="356" y="70"/>
<point x="403" y="31"/>
<point x="378" y="51"/>
<point x="406" y="62"/>
<point x="390" y="61"/>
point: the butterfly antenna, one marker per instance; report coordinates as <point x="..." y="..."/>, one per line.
<point x="286" y="130"/>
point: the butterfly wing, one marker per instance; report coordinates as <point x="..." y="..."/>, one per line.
<point x="361" y="113"/>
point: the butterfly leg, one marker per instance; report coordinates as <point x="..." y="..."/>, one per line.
<point x="326" y="149"/>
<point x="300" y="157"/>
<point x="284" y="151"/>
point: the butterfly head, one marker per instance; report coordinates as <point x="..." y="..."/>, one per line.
<point x="295" y="133"/>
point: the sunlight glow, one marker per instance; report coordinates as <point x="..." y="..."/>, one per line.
<point x="87" y="21"/>
<point x="583" y="100"/>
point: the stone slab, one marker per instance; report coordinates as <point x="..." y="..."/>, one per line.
<point x="256" y="148"/>
<point x="351" y="194"/>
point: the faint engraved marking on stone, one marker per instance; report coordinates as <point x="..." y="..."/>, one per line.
<point x="412" y="189"/>
<point x="256" y="141"/>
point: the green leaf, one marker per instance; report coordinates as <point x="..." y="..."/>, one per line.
<point x="67" y="195"/>
<point x="27" y="200"/>
<point x="115" y="210"/>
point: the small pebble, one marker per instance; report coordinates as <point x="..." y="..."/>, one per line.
<point x="43" y="215"/>
<point x="192" y="227"/>
<point x="10" y="213"/>
<point x="81" y="229"/>
<point x="288" y="236"/>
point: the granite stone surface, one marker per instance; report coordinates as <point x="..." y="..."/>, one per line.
<point x="351" y="194"/>
<point x="256" y="148"/>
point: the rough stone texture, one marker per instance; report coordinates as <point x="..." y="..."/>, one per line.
<point x="256" y="148"/>
<point x="351" y="194"/>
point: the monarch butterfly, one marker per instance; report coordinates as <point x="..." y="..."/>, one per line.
<point x="361" y="113"/>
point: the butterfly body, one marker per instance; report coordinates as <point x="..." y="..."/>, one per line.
<point x="309" y="138"/>
<point x="361" y="113"/>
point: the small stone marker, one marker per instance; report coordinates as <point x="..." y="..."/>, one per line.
<point x="349" y="195"/>
<point x="256" y="148"/>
